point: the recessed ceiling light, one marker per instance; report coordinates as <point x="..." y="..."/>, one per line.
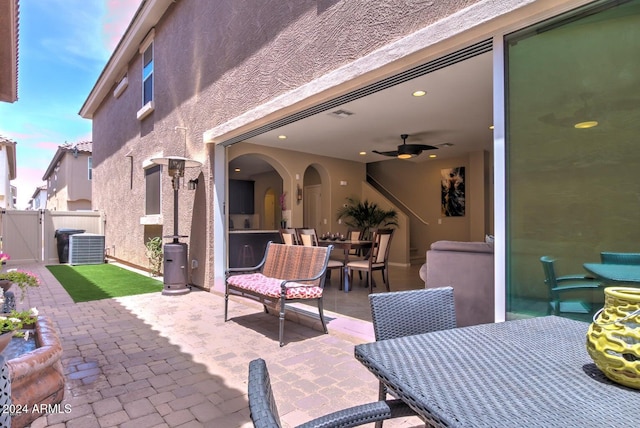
<point x="237" y="170"/>
<point x="362" y="153"/>
<point x="419" y="93"/>
<point x="282" y="137"/>
<point x="585" y="125"/>
<point x="433" y="156"/>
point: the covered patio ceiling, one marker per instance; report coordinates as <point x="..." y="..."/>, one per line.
<point x="454" y="115"/>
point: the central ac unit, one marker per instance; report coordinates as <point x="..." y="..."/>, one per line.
<point x="86" y="249"/>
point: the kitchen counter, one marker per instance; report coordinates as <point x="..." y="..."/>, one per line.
<point x="247" y="246"/>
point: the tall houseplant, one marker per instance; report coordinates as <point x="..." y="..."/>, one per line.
<point x="365" y="215"/>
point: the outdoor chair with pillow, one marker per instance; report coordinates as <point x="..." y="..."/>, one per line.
<point x="559" y="286"/>
<point x="405" y="313"/>
<point x="378" y="258"/>
<point x="308" y="237"/>
<point x="264" y="410"/>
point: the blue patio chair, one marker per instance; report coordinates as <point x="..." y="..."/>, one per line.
<point x="559" y="286"/>
<point x="607" y="257"/>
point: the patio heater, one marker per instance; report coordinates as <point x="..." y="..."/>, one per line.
<point x="175" y="252"/>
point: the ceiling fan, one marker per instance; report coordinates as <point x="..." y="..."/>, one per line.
<point x="406" y="151"/>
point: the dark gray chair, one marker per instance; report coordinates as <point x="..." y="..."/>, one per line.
<point x="405" y="313"/>
<point x="559" y="286"/>
<point x="264" y="411"/>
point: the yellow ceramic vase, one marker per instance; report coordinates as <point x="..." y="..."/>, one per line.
<point x="613" y="339"/>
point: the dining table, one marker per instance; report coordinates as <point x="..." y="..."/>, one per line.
<point x="346" y="245"/>
<point x="520" y="373"/>
<point x="614" y="273"/>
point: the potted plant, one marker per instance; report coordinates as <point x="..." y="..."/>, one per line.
<point x="14" y="324"/>
<point x="22" y="279"/>
<point x="365" y="215"/>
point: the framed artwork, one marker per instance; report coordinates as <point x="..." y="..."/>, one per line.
<point x="452" y="186"/>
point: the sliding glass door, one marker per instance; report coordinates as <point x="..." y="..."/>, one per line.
<point x="573" y="148"/>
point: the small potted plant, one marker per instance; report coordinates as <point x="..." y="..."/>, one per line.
<point x="22" y="279"/>
<point x="15" y="324"/>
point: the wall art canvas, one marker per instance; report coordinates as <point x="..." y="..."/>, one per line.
<point x="452" y="185"/>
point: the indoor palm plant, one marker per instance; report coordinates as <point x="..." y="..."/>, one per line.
<point x="365" y="215"/>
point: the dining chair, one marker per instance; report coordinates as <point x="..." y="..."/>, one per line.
<point x="405" y="313"/>
<point x="560" y="285"/>
<point x="289" y="236"/>
<point x="607" y="257"/>
<point x="355" y="235"/>
<point x="378" y="258"/>
<point x="264" y="410"/>
<point x="309" y="237"/>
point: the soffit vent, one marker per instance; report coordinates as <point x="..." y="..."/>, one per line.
<point x="421" y="70"/>
<point x="340" y="114"/>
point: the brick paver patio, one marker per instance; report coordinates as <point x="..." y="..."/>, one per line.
<point x="171" y="361"/>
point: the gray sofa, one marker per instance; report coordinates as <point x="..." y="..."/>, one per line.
<point x="468" y="268"/>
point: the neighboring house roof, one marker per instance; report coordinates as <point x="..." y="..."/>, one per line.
<point x="10" y="146"/>
<point x="80" y="147"/>
<point x="38" y="190"/>
<point x="9" y="12"/>
<point x="146" y="17"/>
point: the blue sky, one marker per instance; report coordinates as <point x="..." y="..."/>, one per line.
<point x="63" y="47"/>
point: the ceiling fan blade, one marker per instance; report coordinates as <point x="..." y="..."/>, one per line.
<point x="422" y="147"/>
<point x="391" y="153"/>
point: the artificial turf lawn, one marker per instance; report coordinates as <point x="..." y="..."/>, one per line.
<point x="104" y="281"/>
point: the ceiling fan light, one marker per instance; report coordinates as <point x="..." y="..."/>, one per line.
<point x="585" y="125"/>
<point x="404" y="156"/>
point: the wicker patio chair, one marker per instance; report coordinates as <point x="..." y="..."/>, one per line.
<point x="558" y="286"/>
<point x="607" y="257"/>
<point x="264" y="411"/>
<point x="405" y="313"/>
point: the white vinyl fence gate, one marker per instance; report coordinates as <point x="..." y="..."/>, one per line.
<point x="29" y="236"/>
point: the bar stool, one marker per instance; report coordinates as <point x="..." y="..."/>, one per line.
<point x="245" y="256"/>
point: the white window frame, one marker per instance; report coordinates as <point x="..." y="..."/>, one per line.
<point x="147" y="45"/>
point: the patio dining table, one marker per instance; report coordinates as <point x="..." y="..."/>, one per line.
<point x="613" y="273"/>
<point x="531" y="372"/>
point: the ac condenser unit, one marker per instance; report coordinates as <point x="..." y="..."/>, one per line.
<point x="86" y="249"/>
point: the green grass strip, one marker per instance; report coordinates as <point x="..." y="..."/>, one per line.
<point x="104" y="281"/>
